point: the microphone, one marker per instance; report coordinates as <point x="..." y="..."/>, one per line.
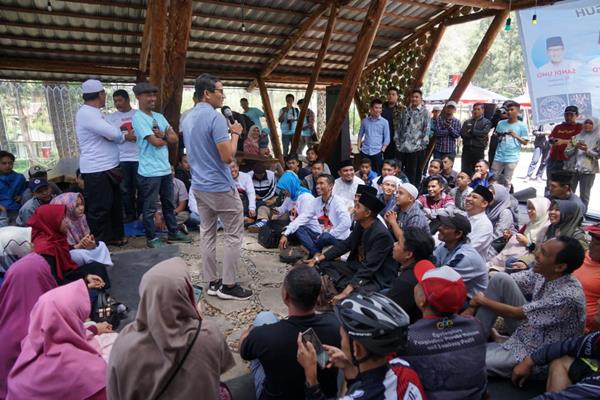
<point x="228" y="114"/>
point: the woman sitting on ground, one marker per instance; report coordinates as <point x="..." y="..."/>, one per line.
<point x="530" y="235"/>
<point x="564" y="217"/>
<point x="84" y="248"/>
<point x="49" y="236"/>
<point x="168" y="352"/>
<point x="57" y="359"/>
<point x="500" y="212"/>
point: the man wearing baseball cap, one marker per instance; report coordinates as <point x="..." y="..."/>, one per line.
<point x="446" y="350"/>
<point x="155" y="180"/>
<point x="560" y="137"/>
<point x="99" y="164"/>
<point x="370" y="265"/>
<point x="446" y="131"/>
<point x="38" y="171"/>
<point x="455" y="251"/>
<point x="41" y="194"/>
<point x="589" y="277"/>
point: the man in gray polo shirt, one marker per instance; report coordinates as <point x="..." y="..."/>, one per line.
<point x="210" y="150"/>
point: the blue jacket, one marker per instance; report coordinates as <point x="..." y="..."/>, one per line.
<point x="11" y="185"/>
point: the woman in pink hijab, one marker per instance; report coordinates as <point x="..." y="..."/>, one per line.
<point x="26" y="280"/>
<point x="57" y="361"/>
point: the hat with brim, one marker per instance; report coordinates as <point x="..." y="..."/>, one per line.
<point x="443" y="287"/>
<point x="36" y="184"/>
<point x="456" y="221"/>
<point x="144" y="87"/>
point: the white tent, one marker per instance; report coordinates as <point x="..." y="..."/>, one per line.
<point x="473" y="94"/>
<point x="523" y="100"/>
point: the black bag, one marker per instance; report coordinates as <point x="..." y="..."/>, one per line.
<point x="106" y="309"/>
<point x="270" y="233"/>
<point x="499" y="244"/>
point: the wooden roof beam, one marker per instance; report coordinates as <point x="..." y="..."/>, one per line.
<point x="485" y="4"/>
<point x="146" y="39"/>
<point x="62" y="66"/>
<point x="44" y="11"/>
<point x="290" y="43"/>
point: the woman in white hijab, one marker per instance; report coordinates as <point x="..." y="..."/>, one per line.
<point x="15" y="243"/>
<point x="583" y="152"/>
<point x="530" y="233"/>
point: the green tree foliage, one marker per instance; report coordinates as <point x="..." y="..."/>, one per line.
<point x="503" y="70"/>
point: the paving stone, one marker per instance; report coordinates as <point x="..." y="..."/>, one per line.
<point x="223" y="324"/>
<point x="270" y="299"/>
<point x="228" y="306"/>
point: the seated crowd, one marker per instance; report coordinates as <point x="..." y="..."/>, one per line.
<point x="396" y="294"/>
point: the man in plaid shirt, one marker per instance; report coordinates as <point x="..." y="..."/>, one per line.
<point x="446" y="131"/>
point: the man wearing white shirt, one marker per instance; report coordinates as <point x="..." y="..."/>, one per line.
<point x="333" y="217"/>
<point x="482" y="230"/>
<point x="345" y="186"/>
<point x="99" y="164"/>
<point x="245" y="188"/>
<point x="128" y="152"/>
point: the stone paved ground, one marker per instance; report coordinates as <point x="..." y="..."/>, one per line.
<point x="260" y="269"/>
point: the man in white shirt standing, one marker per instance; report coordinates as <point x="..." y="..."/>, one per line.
<point x="99" y="165"/>
<point x="345" y="186"/>
<point x="482" y="230"/>
<point x="128" y="152"/>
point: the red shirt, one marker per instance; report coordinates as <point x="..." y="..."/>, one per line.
<point x="589" y="277"/>
<point x="563" y="131"/>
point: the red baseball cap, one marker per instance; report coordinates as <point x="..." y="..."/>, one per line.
<point x="444" y="288"/>
<point x="594" y="230"/>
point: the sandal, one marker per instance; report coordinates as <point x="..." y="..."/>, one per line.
<point x="118" y="243"/>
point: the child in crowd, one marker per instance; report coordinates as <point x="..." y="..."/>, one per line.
<point x="462" y="189"/>
<point x="37" y="171"/>
<point x="42" y="194"/>
<point x="366" y="172"/>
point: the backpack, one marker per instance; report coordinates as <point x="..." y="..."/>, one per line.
<point x="270" y="233"/>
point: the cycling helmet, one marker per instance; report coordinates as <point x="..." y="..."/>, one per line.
<point x="375" y="321"/>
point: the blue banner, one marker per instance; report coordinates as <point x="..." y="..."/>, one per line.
<point x="562" y="58"/>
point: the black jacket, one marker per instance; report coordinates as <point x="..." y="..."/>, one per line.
<point x="378" y="266"/>
<point x="475" y="133"/>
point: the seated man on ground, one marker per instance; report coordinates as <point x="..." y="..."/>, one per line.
<point x="269" y="344"/>
<point x="312" y="155"/>
<point x="414" y="246"/>
<point x="555" y="312"/>
<point x="265" y="183"/>
<point x="573" y="372"/>
<point x="434" y="169"/>
<point x="408" y="212"/>
<point x="310" y="181"/>
<point x="388" y="168"/>
<point x="373" y="328"/>
<point x="12" y="186"/>
<point x="345" y="186"/>
<point x="589" y="277"/>
<point x="436" y="198"/>
<point x="37" y="171"/>
<point x="448" y="172"/>
<point x="456" y="252"/>
<point x="332" y="216"/>
<point x="366" y="172"/>
<point x="388" y="193"/>
<point x="41" y="194"/>
<point x="482" y="174"/>
<point x="559" y="188"/>
<point x="481" y="235"/>
<point x="462" y="189"/>
<point x="245" y="188"/>
<point x="293" y="163"/>
<point x="298" y="206"/>
<point x="183" y="172"/>
<point x="182" y="213"/>
<point x="370" y="265"/>
<point x="446" y="350"/>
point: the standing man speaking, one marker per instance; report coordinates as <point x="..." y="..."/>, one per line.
<point x="210" y="150"/>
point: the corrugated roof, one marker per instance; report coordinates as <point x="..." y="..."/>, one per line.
<point x="106" y="36"/>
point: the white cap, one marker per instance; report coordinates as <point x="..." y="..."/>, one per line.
<point x="392" y="179"/>
<point x="451" y="103"/>
<point x="92" y="86"/>
<point x="436" y="108"/>
<point x="411" y="189"/>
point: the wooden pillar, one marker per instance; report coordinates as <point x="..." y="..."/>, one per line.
<point x="145" y="48"/>
<point x="275" y="141"/>
<point x="158" y="9"/>
<point x="352" y="76"/>
<point x="333" y="10"/>
<point x="435" y="43"/>
<point x="480" y="53"/>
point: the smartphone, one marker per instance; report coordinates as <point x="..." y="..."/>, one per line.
<point x="197" y="294"/>
<point x="322" y="356"/>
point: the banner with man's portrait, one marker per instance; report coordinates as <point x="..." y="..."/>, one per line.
<point x="562" y="58"/>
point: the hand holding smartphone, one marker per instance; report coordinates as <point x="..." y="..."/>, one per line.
<point x="322" y="356"/>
